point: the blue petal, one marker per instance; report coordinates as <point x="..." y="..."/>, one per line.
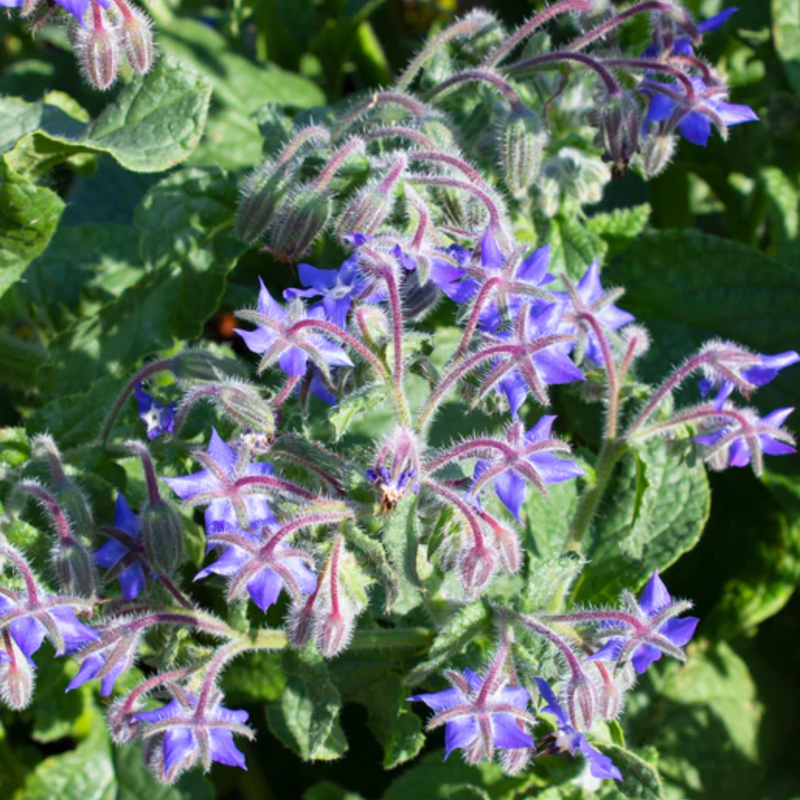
<point x="264" y="588"/>
<point x="461" y="733"/>
<point x="132" y="581"/>
<point x="644" y="656"/>
<point x="712" y="23"/>
<point x="507" y="733"/>
<point x="655" y="596"/>
<point x="695" y="128"/>
<point x="178" y="746"/>
<point x="321" y="279"/>
<point x="552" y="706"/>
<point x="224" y="751"/>
<point x="679" y="631"/>
<point x="510" y="488"/>
<point x="491" y="255"/>
<point x="599" y="765"/>
<point x="439" y="701"/>
<point x="124" y="518"/>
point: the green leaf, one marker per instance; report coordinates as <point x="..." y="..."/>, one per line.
<point x="573" y="246"/>
<point x="155" y="123"/>
<point x="465" y="625"/>
<point x="29" y="215"/>
<point x="330" y="791"/>
<point x="786" y="35"/>
<point x="640" y="779"/>
<point x="188" y="244"/>
<point x="704" y="720"/>
<point x="136" y="782"/>
<point x="547" y="519"/>
<point x="84" y="268"/>
<point x="254" y="677"/>
<point x="654" y="510"/>
<point x="391" y="719"/>
<point x="357" y="404"/>
<point x="186" y="222"/>
<point x="240" y="87"/>
<point x="55" y="711"/>
<point x="373" y="553"/>
<point x="688" y="287"/>
<point x="305" y="717"/>
<point x="618" y="228"/>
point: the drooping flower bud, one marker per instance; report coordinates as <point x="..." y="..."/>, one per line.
<point x="162" y="536"/>
<point x="580" y="697"/>
<point x="98" y="52"/>
<point x="522" y="142"/>
<point x="244" y="404"/>
<point x="17" y="675"/>
<point x="261" y="191"/>
<point x="74" y="567"/>
<point x="618" y="124"/>
<point x="657" y="152"/>
<point x="299" y="219"/>
<point x="121" y="726"/>
<point x="137" y="37"/>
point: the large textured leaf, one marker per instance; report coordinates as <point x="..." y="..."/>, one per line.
<point x="305" y="717"/>
<point x="704" y="719"/>
<point x="654" y="510"/>
<point x="154" y="124"/>
<point x="688" y="287"/>
<point x="29" y="215"/>
<point x="186" y="240"/>
<point x="640" y="778"/>
<point x="784" y="213"/>
<point x="239" y="88"/>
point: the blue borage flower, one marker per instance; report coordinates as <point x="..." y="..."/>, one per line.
<point x="276" y="340"/>
<point x="77" y="8"/>
<point x="532" y="465"/>
<point x="184" y="735"/>
<point x="124" y="550"/>
<point x="267" y="572"/>
<point x="592" y="298"/>
<point x="29" y="631"/>
<point x="478" y="719"/>
<point x="747" y="439"/>
<point x="693" y="116"/>
<point x="221" y="471"/>
<point x="158" y="419"/>
<point x="568" y="740"/>
<point x="654" y="606"/>
<point x="759" y="375"/>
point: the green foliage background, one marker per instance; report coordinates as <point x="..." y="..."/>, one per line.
<point x="109" y="252"/>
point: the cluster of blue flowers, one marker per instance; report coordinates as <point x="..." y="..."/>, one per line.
<point x="349" y="332"/>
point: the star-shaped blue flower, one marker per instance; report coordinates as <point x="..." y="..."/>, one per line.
<point x="158" y="419"/>
<point x="569" y="740"/>
<point x="127" y="546"/>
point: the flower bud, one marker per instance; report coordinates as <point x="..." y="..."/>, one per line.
<point x="639" y="337"/>
<point x="513" y="761"/>
<point x="618" y="124"/>
<point x="162" y="536"/>
<point x="366" y="211"/>
<point x="581" y="702"/>
<point x="437" y="128"/>
<point x="549" y="196"/>
<point x="300" y="622"/>
<point x="137" y="38"/>
<point x="335" y="633"/>
<point x="16" y="677"/>
<point x="657" y="152"/>
<point x="522" y="142"/>
<point x="74" y="567"/>
<point x="98" y="55"/>
<point x="262" y="190"/>
<point x="477" y="567"/>
<point x="299" y="220"/>
<point x="244" y="404"/>
<point x="120" y="725"/>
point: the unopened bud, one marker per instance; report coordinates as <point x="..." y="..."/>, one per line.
<point x="618" y="124"/>
<point x="74" y="567"/>
<point x="477" y="568"/>
<point x="657" y="152"/>
<point x="261" y="191"/>
<point x="137" y="38"/>
<point x="523" y="138"/>
<point x="120" y="725"/>
<point x="581" y="702"/>
<point x="299" y="220"/>
<point x="300" y="622"/>
<point x="437" y="128"/>
<point x="334" y="634"/>
<point x="98" y="55"/>
<point x="244" y="404"/>
<point x="514" y="761"/>
<point x="638" y="337"/>
<point x="366" y="211"/>
<point x="162" y="536"/>
<point x="16" y="677"/>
